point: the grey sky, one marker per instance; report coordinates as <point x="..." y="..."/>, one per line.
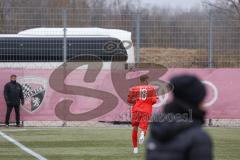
<point x="175" y="3"/>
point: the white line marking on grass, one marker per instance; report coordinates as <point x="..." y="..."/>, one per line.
<point x="22" y="147"/>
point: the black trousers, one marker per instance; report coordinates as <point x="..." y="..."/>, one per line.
<point x="17" y="113"/>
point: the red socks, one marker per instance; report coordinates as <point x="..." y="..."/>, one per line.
<point x="134" y="138"/>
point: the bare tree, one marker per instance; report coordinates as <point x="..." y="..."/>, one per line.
<point x="1" y="14"/>
<point x="227" y="7"/>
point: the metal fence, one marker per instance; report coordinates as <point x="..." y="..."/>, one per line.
<point x="194" y="41"/>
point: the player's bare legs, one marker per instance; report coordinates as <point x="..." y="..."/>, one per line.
<point x="134" y="139"/>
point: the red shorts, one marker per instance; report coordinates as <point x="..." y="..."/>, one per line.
<point x="141" y="120"/>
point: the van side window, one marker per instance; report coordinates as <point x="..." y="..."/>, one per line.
<point x="31" y="49"/>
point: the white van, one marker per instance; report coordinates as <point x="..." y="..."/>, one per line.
<point x="33" y="47"/>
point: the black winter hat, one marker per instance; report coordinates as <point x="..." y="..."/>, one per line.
<point x="188" y="88"/>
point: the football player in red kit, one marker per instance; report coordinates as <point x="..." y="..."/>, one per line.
<point x="142" y="97"/>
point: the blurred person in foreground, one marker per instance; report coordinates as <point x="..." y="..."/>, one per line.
<point x="13" y="95"/>
<point x="176" y="133"/>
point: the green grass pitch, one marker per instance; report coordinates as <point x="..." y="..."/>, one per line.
<point x="108" y="143"/>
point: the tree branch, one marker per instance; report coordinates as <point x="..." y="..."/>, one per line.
<point x="225" y="9"/>
<point x="237" y="8"/>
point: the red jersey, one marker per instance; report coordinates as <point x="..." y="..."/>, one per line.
<point x="142" y="97"/>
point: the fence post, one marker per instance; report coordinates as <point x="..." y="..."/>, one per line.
<point x="64" y="35"/>
<point x="210" y="40"/>
<point x="137" y="48"/>
<point x="64" y="123"/>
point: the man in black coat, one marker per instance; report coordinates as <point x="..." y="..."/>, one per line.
<point x="13" y="95"/>
<point x="176" y="133"/>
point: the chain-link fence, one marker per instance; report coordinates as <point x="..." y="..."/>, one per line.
<point x="193" y="40"/>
